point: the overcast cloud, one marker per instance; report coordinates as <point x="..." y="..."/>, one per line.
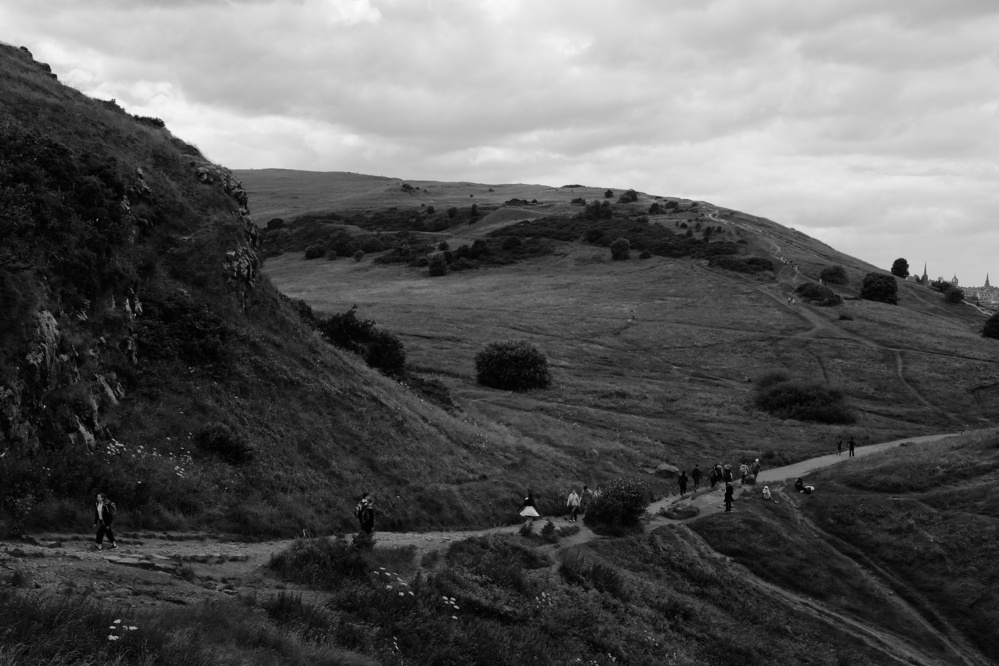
<point x="872" y="125"/>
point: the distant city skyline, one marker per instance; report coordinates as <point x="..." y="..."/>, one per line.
<point x="872" y="126"/>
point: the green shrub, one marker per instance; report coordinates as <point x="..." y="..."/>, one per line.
<point x="630" y="196"/>
<point x="954" y="295"/>
<point x="608" y="194"/>
<point x="645" y="255"/>
<point x="322" y="563"/>
<point x="512" y="366"/>
<point x="437" y="264"/>
<point x="741" y="264"/>
<point x="314" y="251"/>
<point x="818" y="294"/>
<point x="275" y="223"/>
<point x="900" y="268"/>
<point x="833" y="275"/>
<point x="879" y="287"/>
<point x="381" y="350"/>
<point x="359" y="255"/>
<point x="219" y="440"/>
<point x="771" y="378"/>
<point x="804" y="401"/>
<point x="991" y="328"/>
<point x="941" y="285"/>
<point x="619" y="507"/>
<point x="620" y="249"/>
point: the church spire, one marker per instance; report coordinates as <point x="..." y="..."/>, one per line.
<point x="926" y="278"/>
<point x="987" y="280"/>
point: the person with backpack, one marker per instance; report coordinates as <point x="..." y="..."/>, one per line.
<point x="682" y="481"/>
<point x="365" y="513"/>
<point x="743" y="472"/>
<point x="853" y="445"/>
<point x="573" y="505"/>
<point x="695" y="476"/>
<point x="104" y="514"/>
<point x="729" y="492"/>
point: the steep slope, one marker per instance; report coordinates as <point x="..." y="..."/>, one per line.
<point x="142" y="353"/>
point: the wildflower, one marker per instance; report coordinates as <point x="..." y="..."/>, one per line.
<point x="112" y="627"/>
<point x="117" y="622"/>
<point x="402" y="594"/>
<point x="388" y="587"/>
<point x="112" y="637"/>
<point x="411" y="593"/>
<point x="132" y="628"/>
<point x="454" y="617"/>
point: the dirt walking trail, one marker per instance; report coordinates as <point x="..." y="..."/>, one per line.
<point x="151" y="569"/>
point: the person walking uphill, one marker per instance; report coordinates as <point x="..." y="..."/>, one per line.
<point x="729" y="492"/>
<point x="365" y="513"/>
<point x="853" y="445"/>
<point x="528" y="509"/>
<point x="573" y="504"/>
<point x="682" y="481"/>
<point x="695" y="476"/>
<point x="104" y="513"/>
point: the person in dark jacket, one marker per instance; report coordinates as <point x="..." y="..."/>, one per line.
<point x="853" y="445"/>
<point x="695" y="476"/>
<point x="365" y="513"/>
<point x="683" y="483"/>
<point x="104" y="512"/>
<point x="729" y="492"/>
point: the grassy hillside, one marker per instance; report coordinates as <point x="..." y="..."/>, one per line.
<point x="653" y="359"/>
<point x="143" y="354"/>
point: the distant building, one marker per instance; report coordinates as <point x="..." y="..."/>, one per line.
<point x="987" y="296"/>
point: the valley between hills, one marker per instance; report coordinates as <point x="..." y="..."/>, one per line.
<point x="166" y="341"/>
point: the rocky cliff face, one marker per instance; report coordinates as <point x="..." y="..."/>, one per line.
<point x="85" y="228"/>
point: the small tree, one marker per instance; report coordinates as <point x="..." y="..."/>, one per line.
<point x="314" y="251"/>
<point x="900" y="268"/>
<point x="628" y="197"/>
<point x="954" y="295"/>
<point x="879" y="287"/>
<point x="359" y="255"/>
<point x="275" y="223"/>
<point x="512" y="365"/>
<point x="608" y="194"/>
<point x="452" y="212"/>
<point x="991" y="328"/>
<point x="620" y="249"/>
<point x="655" y="209"/>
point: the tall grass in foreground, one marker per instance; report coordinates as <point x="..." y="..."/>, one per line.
<point x="75" y="631"/>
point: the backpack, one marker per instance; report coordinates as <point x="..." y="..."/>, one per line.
<point x="112" y="509"/>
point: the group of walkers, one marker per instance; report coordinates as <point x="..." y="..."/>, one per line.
<point x="852" y="443"/>
<point x="718" y="474"/>
<point x="575" y="504"/>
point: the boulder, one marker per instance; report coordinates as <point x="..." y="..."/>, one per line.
<point x="667" y="471"/>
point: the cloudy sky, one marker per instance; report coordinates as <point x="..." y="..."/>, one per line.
<point x="872" y="125"/>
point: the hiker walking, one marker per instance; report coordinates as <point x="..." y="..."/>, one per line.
<point x="585" y="498"/>
<point x="853" y="445"/>
<point x="755" y="468"/>
<point x="839" y="446"/>
<point x="743" y="472"/>
<point x="727" y="474"/>
<point x="573" y="504"/>
<point x="104" y="513"/>
<point x="528" y="509"/>
<point x="695" y="476"/>
<point x="729" y="492"/>
<point x="365" y="513"/>
<point x="682" y="481"/>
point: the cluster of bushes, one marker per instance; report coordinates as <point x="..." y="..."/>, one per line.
<point x="742" y="264"/>
<point x="496" y="250"/>
<point x="512" y="366"/>
<point x="991" y="328"/>
<point x="818" y="294"/>
<point x="785" y="398"/>
<point x="599" y="226"/>
<point x="619" y="507"/>
<point x="951" y="292"/>
<point x="327" y="236"/>
<point x="380" y="349"/>
<point x="879" y="287"/>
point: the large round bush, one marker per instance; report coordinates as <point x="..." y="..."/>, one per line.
<point x="879" y="287"/>
<point x="620" y="249"/>
<point x="512" y="365"/>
